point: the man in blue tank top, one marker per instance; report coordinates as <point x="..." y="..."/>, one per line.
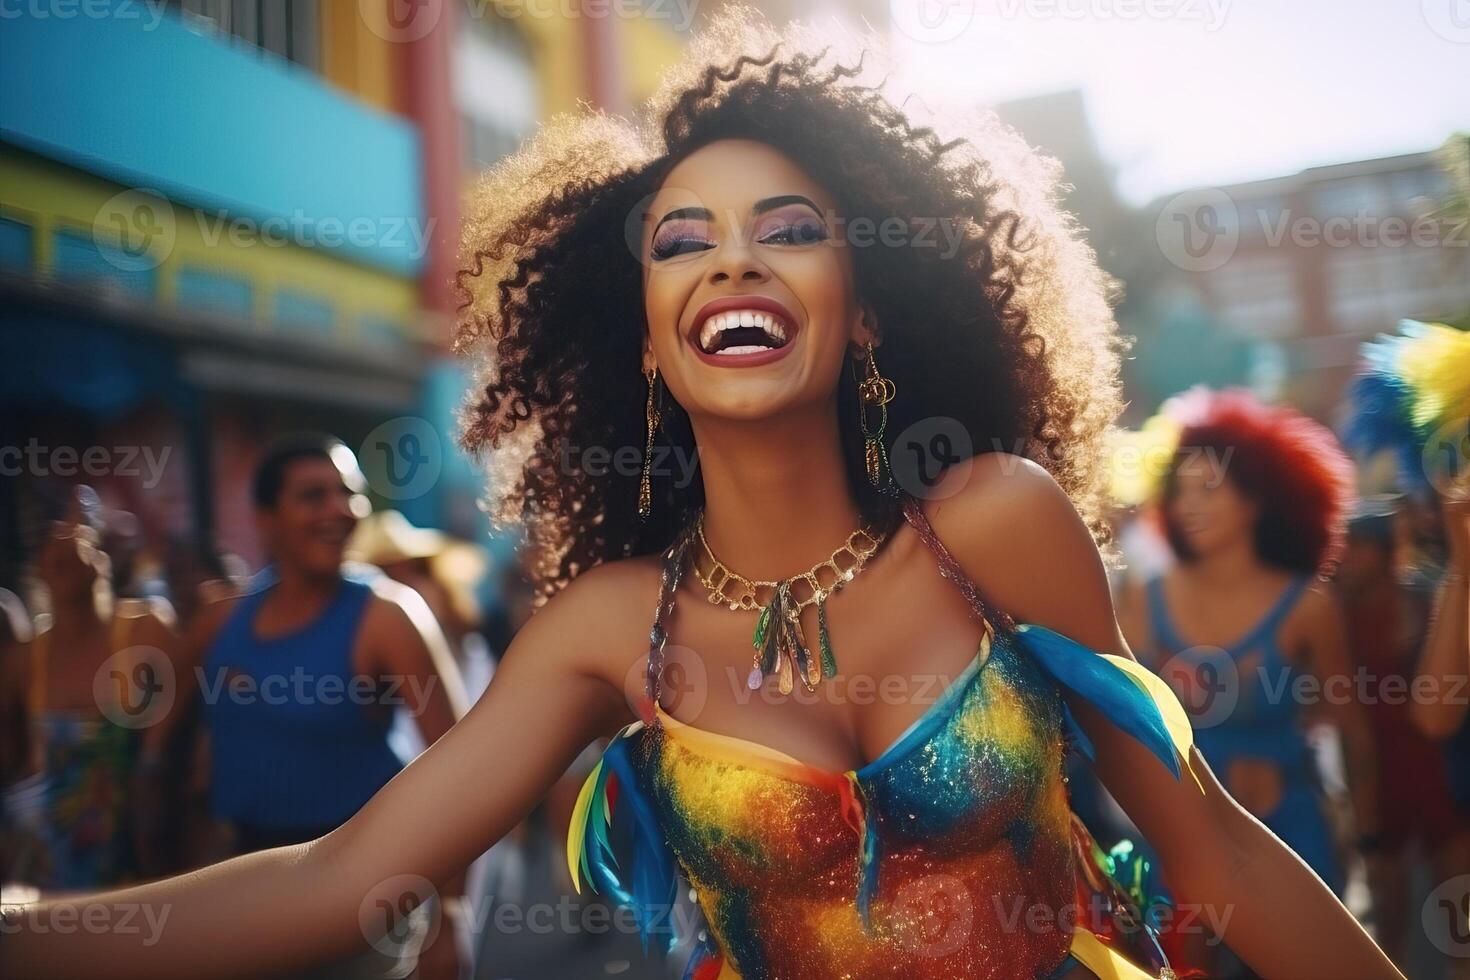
<point x="300" y="675"/>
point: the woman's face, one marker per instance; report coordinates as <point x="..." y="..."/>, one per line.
<point x="748" y="289"/>
<point x="1208" y="509"/>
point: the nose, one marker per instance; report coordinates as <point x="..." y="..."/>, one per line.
<point x="737" y="263"/>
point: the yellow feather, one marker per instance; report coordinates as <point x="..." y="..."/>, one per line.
<point x="1176" y="719"/>
<point x="1104" y="962"/>
<point x="577" y="832"/>
<point x="1437" y="367"/>
<point x="1138" y="459"/>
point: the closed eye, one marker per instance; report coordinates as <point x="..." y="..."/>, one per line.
<point x="807" y="232"/>
<point x="679" y="245"/>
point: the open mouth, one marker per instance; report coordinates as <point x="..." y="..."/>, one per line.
<point x="743" y="332"/>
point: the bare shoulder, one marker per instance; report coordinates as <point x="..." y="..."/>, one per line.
<point x="1319" y="605"/>
<point x="986" y="507"/>
<point x="599" y="621"/>
<point x="1017" y="534"/>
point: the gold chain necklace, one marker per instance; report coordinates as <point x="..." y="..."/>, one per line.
<point x="780" y="646"/>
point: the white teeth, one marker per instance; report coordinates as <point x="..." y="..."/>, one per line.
<point x="742" y="349"/>
<point x="741" y="318"/>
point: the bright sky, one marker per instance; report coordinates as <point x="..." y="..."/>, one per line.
<point x="1209" y="92"/>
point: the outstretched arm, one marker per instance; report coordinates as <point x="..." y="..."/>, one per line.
<point x="1274" y="911"/>
<point x="293" y="907"/>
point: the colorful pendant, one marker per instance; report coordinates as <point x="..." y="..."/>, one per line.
<point x="824" y="641"/>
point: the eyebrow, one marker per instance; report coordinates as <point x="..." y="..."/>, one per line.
<point x="701" y="213"/>
<point x="772" y="203"/>
<point x="759" y="207"/>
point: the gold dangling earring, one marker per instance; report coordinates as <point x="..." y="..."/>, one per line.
<point x="874" y="389"/>
<point x="645" y="485"/>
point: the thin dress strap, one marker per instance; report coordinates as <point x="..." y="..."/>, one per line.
<point x="1166" y="640"/>
<point x="658" y="634"/>
<point x="1265" y="633"/>
<point x="949" y="567"/>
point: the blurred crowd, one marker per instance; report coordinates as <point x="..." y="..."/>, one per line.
<point x="162" y="713"/>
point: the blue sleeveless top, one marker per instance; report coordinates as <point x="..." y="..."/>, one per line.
<point x="1243" y="707"/>
<point x="292" y="741"/>
<point x="1243" y="704"/>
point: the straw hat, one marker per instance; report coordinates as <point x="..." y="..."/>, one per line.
<point x="385" y="537"/>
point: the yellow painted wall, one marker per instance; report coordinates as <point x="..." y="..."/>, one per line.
<point x="50" y="197"/>
<point x="356" y="59"/>
<point x="561" y="74"/>
<point x="360" y="61"/>
<point x="649" y="46"/>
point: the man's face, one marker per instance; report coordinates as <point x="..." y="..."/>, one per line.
<point x="313" y="516"/>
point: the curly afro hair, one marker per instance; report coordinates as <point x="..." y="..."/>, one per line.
<point x="1010" y="333"/>
<point x="1290" y="464"/>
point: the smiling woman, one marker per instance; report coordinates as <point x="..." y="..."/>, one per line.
<point x="825" y="219"/>
<point x="883" y="826"/>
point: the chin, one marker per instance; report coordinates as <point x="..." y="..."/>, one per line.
<point x="325" y="564"/>
<point x="749" y="399"/>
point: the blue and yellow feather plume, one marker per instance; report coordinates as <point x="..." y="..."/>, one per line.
<point x="1413" y="388"/>
<point x="652" y="886"/>
<point x="1128" y="694"/>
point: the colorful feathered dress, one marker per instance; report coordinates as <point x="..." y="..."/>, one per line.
<point x="954" y="854"/>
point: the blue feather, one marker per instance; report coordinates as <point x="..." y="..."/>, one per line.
<point x="654" y="880"/>
<point x="868" y="871"/>
<point x="1379" y="416"/>
<point x="1112" y="691"/>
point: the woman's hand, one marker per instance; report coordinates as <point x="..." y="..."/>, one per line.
<point x="556" y="690"/>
